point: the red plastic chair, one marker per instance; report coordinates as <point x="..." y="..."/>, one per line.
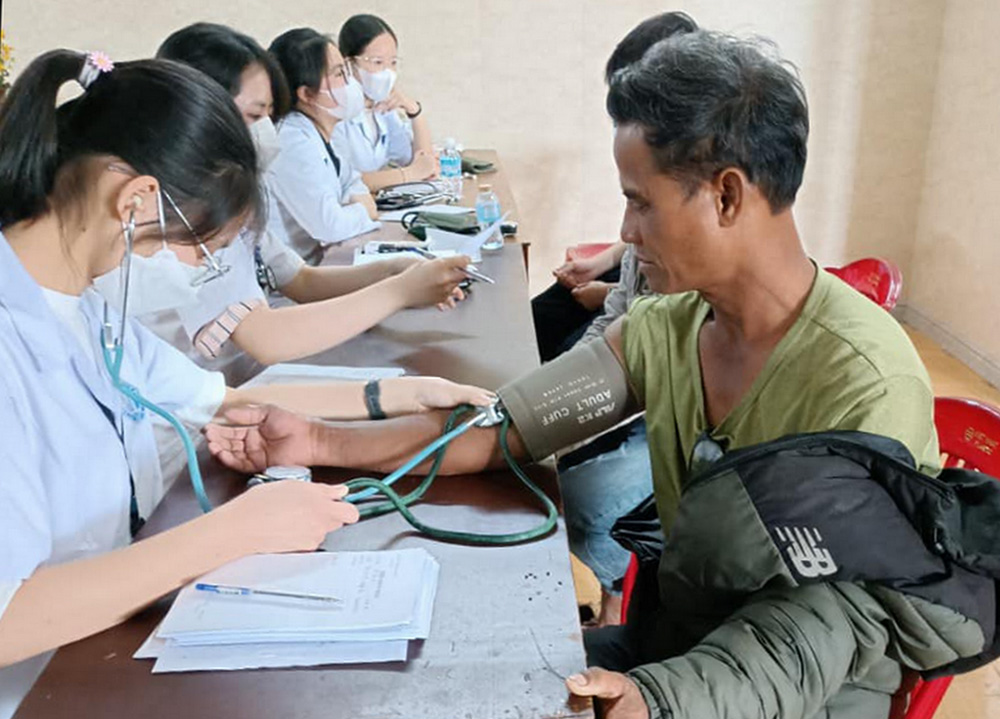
<point x="969" y="437"/>
<point x="878" y="280"/>
<point x="586" y="249"/>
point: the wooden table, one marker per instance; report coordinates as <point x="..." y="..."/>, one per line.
<point x="505" y="620"/>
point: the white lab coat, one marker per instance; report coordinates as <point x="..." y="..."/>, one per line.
<point x="65" y="490"/>
<point x="309" y="199"/>
<point x="374" y="139"/>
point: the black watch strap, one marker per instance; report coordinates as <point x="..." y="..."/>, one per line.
<point x="373" y="393"/>
<point x="420" y="108"/>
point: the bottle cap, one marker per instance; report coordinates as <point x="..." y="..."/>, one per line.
<point x="485" y="188"/>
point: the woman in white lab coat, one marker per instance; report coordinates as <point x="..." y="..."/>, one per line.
<point x="390" y="142"/>
<point x="151" y="151"/>
<point x="320" y="197"/>
<point x="226" y="323"/>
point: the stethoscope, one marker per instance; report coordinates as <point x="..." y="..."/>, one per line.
<point x="112" y="350"/>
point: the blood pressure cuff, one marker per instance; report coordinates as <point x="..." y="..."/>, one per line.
<point x="572" y="398"/>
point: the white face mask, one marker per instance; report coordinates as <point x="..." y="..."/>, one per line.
<point x="159" y="283"/>
<point x="350" y="99"/>
<point x="265" y="140"/>
<point x="377" y="85"/>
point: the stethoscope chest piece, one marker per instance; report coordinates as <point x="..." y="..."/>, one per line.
<point x="279" y="473"/>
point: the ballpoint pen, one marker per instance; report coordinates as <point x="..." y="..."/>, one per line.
<point x="467" y="269"/>
<point x="247" y="591"/>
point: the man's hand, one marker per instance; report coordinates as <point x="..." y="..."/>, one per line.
<point x="257" y="437"/>
<point x="616" y="694"/>
<point x="591" y="295"/>
<point x="423" y="167"/>
<point x="413" y="395"/>
<point x="575" y="273"/>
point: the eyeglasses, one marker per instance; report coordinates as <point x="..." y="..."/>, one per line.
<point x="214" y="269"/>
<point x="380" y="63"/>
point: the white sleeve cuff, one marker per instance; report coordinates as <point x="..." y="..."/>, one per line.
<point x="206" y="403"/>
<point x="8" y="588"/>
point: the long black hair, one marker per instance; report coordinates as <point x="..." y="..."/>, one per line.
<point x="358" y="32"/>
<point x="224" y="54"/>
<point x="162" y="118"/>
<point x="302" y="55"/>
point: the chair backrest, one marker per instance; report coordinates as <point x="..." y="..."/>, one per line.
<point x="969" y="434"/>
<point x="877" y="279"/>
<point x="586" y="249"/>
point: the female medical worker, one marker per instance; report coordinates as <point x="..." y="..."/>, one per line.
<point x="200" y="319"/>
<point x="379" y="136"/>
<point x="320" y="195"/>
<point x="150" y="150"/>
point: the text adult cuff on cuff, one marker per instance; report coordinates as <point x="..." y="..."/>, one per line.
<point x="572" y="398"/>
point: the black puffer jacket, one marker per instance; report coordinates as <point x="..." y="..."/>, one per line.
<point x="802" y="575"/>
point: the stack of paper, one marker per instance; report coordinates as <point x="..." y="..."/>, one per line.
<point x="386" y="599"/>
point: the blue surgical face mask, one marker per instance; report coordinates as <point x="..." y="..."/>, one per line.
<point x="350" y="99"/>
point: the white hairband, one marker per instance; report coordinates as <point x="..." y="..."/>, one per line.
<point x="96" y="64"/>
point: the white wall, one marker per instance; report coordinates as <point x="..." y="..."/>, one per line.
<point x="955" y="275"/>
<point x="525" y="77"/>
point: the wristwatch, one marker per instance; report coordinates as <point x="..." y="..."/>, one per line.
<point x="420" y="108"/>
<point x="373" y="394"/>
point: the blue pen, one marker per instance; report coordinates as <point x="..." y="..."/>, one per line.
<point x="248" y="592"/>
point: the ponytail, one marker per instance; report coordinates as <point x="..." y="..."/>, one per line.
<point x="162" y="118"/>
<point x="29" y="135"/>
<point x="302" y="55"/>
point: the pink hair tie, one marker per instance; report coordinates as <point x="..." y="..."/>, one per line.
<point x="96" y="64"/>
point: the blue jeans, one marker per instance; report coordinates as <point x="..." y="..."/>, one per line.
<point x="600" y="482"/>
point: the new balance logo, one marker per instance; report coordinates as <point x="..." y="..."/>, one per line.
<point x="809" y="559"/>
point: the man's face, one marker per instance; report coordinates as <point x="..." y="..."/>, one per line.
<point x="676" y="237"/>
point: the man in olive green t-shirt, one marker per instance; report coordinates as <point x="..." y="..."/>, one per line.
<point x="844" y="364"/>
<point x="749" y="342"/>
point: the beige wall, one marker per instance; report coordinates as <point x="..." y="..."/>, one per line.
<point x="955" y="280"/>
<point x="524" y="76"/>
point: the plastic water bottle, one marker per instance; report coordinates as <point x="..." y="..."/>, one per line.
<point x="488" y="212"/>
<point x="451" y="169"/>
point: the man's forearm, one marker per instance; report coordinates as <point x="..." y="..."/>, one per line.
<point x="384" y="445"/>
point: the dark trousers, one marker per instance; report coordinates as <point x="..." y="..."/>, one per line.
<point x="560" y="321"/>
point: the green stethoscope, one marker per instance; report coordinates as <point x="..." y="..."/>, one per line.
<point x="112" y="350"/>
<point x="111" y="347"/>
<point x="486" y="417"/>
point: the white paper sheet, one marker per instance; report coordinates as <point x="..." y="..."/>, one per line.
<point x="379" y="591"/>
<point x="470" y="245"/>
<point x="288" y="373"/>
<point x="366" y="258"/>
<point x="271" y="656"/>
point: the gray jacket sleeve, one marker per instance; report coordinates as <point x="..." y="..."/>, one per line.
<point x="630" y="285"/>
<point x="787" y="652"/>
